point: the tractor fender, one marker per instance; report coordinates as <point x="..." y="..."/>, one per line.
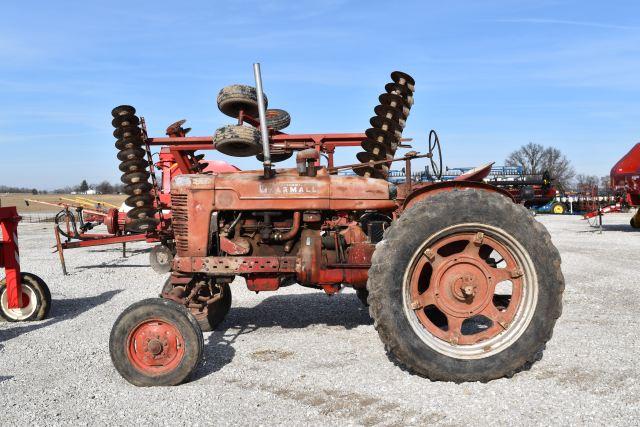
<point x="430" y="190"/>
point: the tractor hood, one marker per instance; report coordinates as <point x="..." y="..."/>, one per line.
<point x="249" y="190"/>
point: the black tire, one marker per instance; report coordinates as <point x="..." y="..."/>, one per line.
<point x="362" y="295"/>
<point x="276" y="157"/>
<point x="278" y="119"/>
<point x="211" y="317"/>
<point x="235" y="98"/>
<point x="238" y="141"/>
<point x="413" y="346"/>
<point x="34" y="287"/>
<point x="149" y="310"/>
<point x="161" y="259"/>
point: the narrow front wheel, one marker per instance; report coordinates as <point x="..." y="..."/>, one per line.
<point x="155" y="342"/>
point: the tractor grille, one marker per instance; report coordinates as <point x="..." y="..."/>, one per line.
<point x="180" y="222"/>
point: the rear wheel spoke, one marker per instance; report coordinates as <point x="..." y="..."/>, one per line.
<point x="454" y="328"/>
<point x="424" y="299"/>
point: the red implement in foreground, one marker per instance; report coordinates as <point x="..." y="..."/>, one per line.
<point x="23" y="296"/>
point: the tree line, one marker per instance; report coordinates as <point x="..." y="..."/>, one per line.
<point x="535" y="159"/>
<point x="104" y="187"/>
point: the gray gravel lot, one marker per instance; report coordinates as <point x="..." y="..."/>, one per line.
<point x="300" y="357"/>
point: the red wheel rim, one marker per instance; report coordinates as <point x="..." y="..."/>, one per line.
<point x="455" y="279"/>
<point x="155" y="347"/>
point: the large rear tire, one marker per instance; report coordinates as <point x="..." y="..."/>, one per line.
<point x="155" y="342"/>
<point x="36" y="300"/>
<point x="465" y="286"/>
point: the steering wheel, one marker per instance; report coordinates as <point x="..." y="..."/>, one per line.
<point x="436" y="161"/>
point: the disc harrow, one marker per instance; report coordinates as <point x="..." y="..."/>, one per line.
<point x="383" y="137"/>
<point x="134" y="166"/>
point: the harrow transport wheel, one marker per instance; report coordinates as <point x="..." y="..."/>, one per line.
<point x="278" y="119"/>
<point x="36" y="300"/>
<point x="160" y="259"/>
<point x="235" y="98"/>
<point x="155" y="342"/>
<point x="466" y="286"/>
<point x="238" y="141"/>
<point x="214" y="314"/>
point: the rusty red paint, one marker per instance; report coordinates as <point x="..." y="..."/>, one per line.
<point x="155" y="347"/>
<point x="9" y="258"/>
<point x="462" y="285"/>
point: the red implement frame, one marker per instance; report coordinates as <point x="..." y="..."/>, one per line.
<point x="10" y="256"/>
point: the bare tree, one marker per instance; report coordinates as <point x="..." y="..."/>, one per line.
<point x="586" y="183"/>
<point x="558" y="166"/>
<point x="536" y="159"/>
<point x="605" y="185"/>
<point x="528" y="157"/>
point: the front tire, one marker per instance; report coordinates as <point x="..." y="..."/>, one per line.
<point x="155" y="342"/>
<point x="466" y="286"/>
<point x="36" y="300"/>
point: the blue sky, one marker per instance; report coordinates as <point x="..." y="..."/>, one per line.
<point x="490" y="75"/>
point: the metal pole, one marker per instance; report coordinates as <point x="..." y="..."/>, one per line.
<point x="60" y="251"/>
<point x="262" y="113"/>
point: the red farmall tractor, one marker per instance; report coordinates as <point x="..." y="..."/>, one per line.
<point x="461" y="282"/>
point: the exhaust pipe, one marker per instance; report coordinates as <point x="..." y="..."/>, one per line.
<point x="262" y="113"/>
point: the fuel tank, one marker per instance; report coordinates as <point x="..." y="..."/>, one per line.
<point x="249" y="190"/>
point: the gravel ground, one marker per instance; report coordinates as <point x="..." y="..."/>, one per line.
<point x="298" y="356"/>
